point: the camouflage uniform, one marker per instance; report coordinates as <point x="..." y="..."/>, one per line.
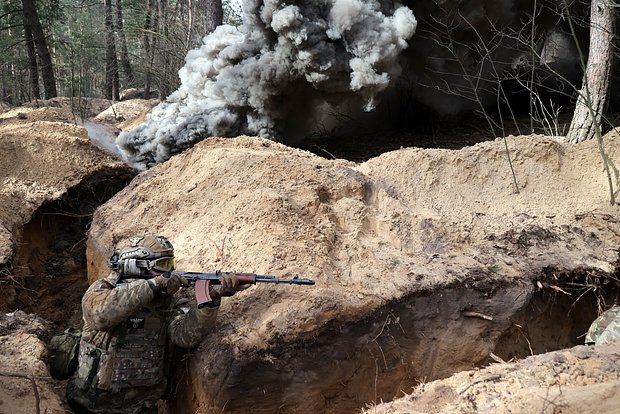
<point x="606" y="328"/>
<point x="124" y="345"/>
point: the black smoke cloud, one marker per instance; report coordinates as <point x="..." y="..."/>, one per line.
<point x="286" y="58"/>
<point x="464" y="50"/>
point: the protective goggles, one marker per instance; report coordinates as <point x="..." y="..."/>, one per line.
<point x="163" y="264"/>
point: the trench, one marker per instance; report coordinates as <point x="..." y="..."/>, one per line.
<point x="427" y="336"/>
<point x="49" y="267"/>
<point x="347" y="366"/>
<point x="559" y="314"/>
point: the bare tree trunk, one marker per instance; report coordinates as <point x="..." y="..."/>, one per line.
<point x="146" y="44"/>
<point x="214" y="14"/>
<point x="190" y="23"/>
<point x="124" y="54"/>
<point x="33" y="67"/>
<point x="45" y="59"/>
<point x="593" y="95"/>
<point x="164" y="55"/>
<point x="111" y="63"/>
<point x="150" y="42"/>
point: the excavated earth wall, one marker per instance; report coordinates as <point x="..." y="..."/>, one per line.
<point x="426" y="262"/>
<point x="51" y="180"/>
<point x="578" y="380"/>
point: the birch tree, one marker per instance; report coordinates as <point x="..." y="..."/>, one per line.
<point x="593" y="95"/>
<point x="111" y="62"/>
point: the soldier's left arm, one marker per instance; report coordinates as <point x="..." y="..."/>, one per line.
<point x="188" y="329"/>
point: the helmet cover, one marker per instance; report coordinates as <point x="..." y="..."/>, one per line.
<point x="146" y="247"/>
<point x="140" y="249"/>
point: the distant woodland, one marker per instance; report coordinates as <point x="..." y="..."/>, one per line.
<point x="98" y="48"/>
<point x="469" y="53"/>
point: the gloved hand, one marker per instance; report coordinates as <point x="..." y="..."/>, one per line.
<point x="170" y="285"/>
<point x="229" y="285"/>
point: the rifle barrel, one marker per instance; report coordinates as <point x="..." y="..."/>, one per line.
<point x="245" y="278"/>
<point x="293" y="281"/>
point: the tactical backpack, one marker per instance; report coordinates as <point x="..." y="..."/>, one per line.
<point x="64" y="349"/>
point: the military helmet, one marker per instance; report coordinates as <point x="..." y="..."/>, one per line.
<point x="139" y="254"/>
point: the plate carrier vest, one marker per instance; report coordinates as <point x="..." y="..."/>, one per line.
<point x="134" y="358"/>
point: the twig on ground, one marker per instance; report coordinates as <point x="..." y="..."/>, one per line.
<point x="492" y="377"/>
<point x="35" y="389"/>
<point x="477" y="315"/>
<point x="496" y="358"/>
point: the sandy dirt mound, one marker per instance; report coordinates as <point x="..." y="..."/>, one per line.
<point x="27" y="114"/>
<point x="382" y="239"/>
<point x="25" y="384"/>
<point x="52" y="178"/>
<point x="584" y="379"/>
<point x="426" y="261"/>
<point x="104" y="128"/>
<point x="83" y="107"/>
<point x="41" y="160"/>
<point x="409" y="203"/>
<point x="125" y="112"/>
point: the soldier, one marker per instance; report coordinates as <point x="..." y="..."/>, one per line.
<point x="124" y="343"/>
<point x="606" y="328"/>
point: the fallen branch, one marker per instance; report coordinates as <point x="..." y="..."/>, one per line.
<point x="477" y="315"/>
<point x="496" y="358"/>
<point x="491" y="377"/>
<point x="35" y="389"/>
<point x="558" y="289"/>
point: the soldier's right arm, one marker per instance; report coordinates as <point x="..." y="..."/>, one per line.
<point x="105" y="305"/>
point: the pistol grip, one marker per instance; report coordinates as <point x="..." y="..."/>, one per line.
<point x="202" y="293"/>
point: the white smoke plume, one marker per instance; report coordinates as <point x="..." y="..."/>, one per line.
<point x="266" y="78"/>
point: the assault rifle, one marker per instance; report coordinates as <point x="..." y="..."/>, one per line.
<point x="202" y="281"/>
